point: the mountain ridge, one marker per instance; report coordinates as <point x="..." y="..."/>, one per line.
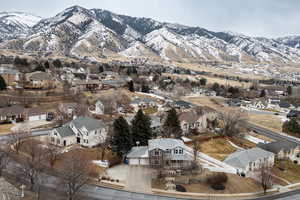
<point x="94" y="33"/>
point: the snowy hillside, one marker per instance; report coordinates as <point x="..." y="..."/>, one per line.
<point x="81" y="32"/>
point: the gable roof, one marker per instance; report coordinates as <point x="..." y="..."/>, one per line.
<point x="142" y="100"/>
<point x="89" y="123"/>
<point x="65" y="131"/>
<point x="138" y="152"/>
<point x="276" y="147"/>
<point x="39" y="76"/>
<point x="241" y="159"/>
<point x="165" y="143"/>
<point x="12" y="110"/>
<point x="190" y="117"/>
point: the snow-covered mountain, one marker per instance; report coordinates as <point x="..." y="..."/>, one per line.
<point x="94" y="33"/>
<point x="16" y="24"/>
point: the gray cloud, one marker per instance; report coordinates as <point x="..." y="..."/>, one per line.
<point x="269" y="18"/>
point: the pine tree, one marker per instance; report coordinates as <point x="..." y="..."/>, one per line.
<point x="262" y="93"/>
<point x="141" y="128"/>
<point x="145" y="89"/>
<point x="122" y="137"/>
<point x="2" y="83"/>
<point x="172" y="125"/>
<point x="131" y="86"/>
<point x="289" y="90"/>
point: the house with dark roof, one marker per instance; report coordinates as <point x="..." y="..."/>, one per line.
<point x="282" y="149"/>
<point x="251" y="160"/>
<point x="161" y="153"/>
<point x="12" y="113"/>
<point x="85" y="131"/>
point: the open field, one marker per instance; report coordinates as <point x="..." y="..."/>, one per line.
<point x="269" y="121"/>
<point x="212" y="102"/>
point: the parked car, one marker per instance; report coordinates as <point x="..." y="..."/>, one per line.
<point x="50" y="116"/>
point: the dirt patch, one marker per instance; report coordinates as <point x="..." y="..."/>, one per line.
<point x="268" y="121"/>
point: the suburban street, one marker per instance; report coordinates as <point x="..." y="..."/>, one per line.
<point x="93" y="192"/>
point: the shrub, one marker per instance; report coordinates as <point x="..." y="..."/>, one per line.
<point x="217" y="180"/>
<point x="295" y="161"/>
<point x="180" y="188"/>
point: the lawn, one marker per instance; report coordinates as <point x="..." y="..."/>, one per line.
<point x="5" y="128"/>
<point x="235" y="184"/>
<point x="218" y="148"/>
<point x="150" y="110"/>
<point x="291" y="172"/>
<point x="89" y="154"/>
<point x="243" y="143"/>
<point x="268" y="121"/>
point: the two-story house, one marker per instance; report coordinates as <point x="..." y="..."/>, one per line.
<point x="249" y="161"/>
<point x="281" y="149"/>
<point x="198" y="119"/>
<point x="85" y="131"/>
<point x="161" y="153"/>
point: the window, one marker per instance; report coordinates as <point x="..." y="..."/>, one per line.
<point x="180" y="151"/>
<point x="176" y="151"/>
<point x="168" y="151"/>
<point x="156" y="153"/>
<point x="52" y="139"/>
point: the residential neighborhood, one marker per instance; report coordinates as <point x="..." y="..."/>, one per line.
<point x="98" y="105"/>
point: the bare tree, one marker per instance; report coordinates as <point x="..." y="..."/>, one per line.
<point x="75" y="175"/>
<point x="232" y="121"/>
<point x="32" y="166"/>
<point x="196" y="147"/>
<point x="265" y="176"/>
<point x="52" y="154"/>
<point x="4" y="159"/>
<point x="16" y="138"/>
<point x="62" y="116"/>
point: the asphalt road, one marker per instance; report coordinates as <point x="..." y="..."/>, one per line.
<point x="271" y="134"/>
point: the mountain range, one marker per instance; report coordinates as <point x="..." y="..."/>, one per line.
<point x="95" y="33"/>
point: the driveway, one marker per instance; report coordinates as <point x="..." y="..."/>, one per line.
<point x="29" y="125"/>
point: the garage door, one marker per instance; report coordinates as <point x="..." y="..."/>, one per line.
<point x="37" y="117"/>
<point x="133" y="161"/>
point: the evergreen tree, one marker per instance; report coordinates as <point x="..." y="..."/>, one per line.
<point x="2" y="83"/>
<point x="289" y="90"/>
<point x="122" y="138"/>
<point x="172" y="125"/>
<point x="262" y="93"/>
<point x="57" y="63"/>
<point x="141" y="128"/>
<point x="145" y="89"/>
<point x="291" y="126"/>
<point x="131" y="86"/>
<point x="203" y="81"/>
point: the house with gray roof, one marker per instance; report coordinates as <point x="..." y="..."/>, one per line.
<point x="85" y="131"/>
<point x="282" y="149"/>
<point x="250" y="160"/>
<point x="143" y="103"/>
<point x="161" y="153"/>
<point x="39" y="80"/>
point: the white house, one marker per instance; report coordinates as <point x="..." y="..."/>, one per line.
<point x="35" y="114"/>
<point x="99" y="108"/>
<point x="85" y="131"/>
<point x="249" y="161"/>
<point x="164" y="152"/>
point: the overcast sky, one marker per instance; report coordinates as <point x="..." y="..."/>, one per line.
<point x="268" y="18"/>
